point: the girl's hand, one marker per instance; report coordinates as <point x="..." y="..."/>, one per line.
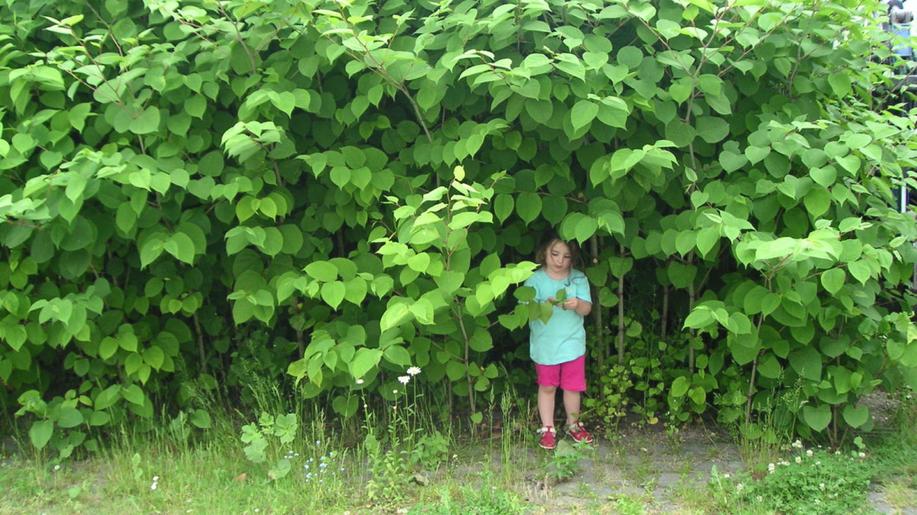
<point x="571" y="304"/>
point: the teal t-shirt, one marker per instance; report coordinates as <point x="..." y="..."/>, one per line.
<point x="563" y="337"/>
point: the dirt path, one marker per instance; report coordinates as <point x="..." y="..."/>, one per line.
<point x="644" y="471"/>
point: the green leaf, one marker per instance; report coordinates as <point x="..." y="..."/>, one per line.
<point x="200" y="419"/>
<point x="150" y="249"/>
<point x="698" y="395"/>
<point x="107" y="397"/>
<point x="481" y="341"/>
<point x="630" y="56"/>
<point x="196" y="106"/>
<point x="285" y="101"/>
<point x="840" y="82"/>
<point x="816" y="418"/>
<point x="817" y="202"/>
<point x="108" y="347"/>
<point x="712" y="129"/>
<point x="154" y="357"/>
<point x="147" y="122"/>
<point x="422" y="310"/>
<point x="363" y="361"/>
<point x="503" y="206"/>
<point x="833" y="280"/>
<point x="730" y="161"/>
<point x="769" y="367"/>
<point x="322" y="270"/>
<point x="585" y="228"/>
<point x="679" y="387"/>
<point x="698" y="319"/>
<point x="756" y="154"/>
<point x="856" y="416"/>
<point x="40" y="433"/>
<point x="134" y="395"/>
<point x="398" y="355"/>
<point x="859" y="270"/>
<point x="824" y="176"/>
<point x="340" y="176"/>
<point x="333" y="293"/>
<point x="571" y="65"/>
<point x="69" y="417"/>
<point x="769" y="21"/>
<point x="528" y="206"/>
<point x="595" y="60"/>
<point x="394" y="316"/>
<point x="706" y="240"/>
<point x="181" y="246"/>
<point x="356" y="290"/>
<point x="806" y="361"/>
<point x="583" y="113"/>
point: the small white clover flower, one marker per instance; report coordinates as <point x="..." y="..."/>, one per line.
<point x="798" y="459"/>
<point x="862" y="455"/>
<point x="395" y="392"/>
<point x="837" y="453"/>
<point x="404" y="379"/>
<point x="726" y="475"/>
<point x="771" y="468"/>
<point x="153" y="487"/>
<point x="56" y="468"/>
<point x="360" y="381"/>
<point x="797" y="444"/>
<point x="413" y="371"/>
<point x="809" y="453"/>
<point x="155" y="479"/>
<point x="821" y="486"/>
<point x="739" y="487"/>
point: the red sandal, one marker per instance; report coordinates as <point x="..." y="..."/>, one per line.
<point x="578" y="433"/>
<point x="548" y="438"/>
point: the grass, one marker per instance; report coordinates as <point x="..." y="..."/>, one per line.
<point x="433" y="472"/>
<point x="211" y="477"/>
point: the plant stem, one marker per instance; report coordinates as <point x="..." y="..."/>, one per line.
<point x="621" y="315"/>
<point x="600" y="335"/>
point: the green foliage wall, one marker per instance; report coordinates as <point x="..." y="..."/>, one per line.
<point x="349" y="189"/>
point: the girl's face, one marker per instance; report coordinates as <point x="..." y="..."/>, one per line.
<point x="558" y="258"/>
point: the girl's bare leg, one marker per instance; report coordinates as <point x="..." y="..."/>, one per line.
<point x="546" y="404"/>
<point x="572" y="406"/>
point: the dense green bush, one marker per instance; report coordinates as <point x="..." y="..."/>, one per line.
<point x="199" y="193"/>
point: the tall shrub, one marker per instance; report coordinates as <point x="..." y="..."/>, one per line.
<point x="351" y="188"/>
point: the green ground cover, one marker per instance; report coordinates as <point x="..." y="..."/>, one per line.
<point x="406" y="465"/>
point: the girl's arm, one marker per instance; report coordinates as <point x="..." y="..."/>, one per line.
<point x="582" y="307"/>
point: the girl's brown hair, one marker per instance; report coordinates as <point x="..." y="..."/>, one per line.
<point x="541" y="255"/>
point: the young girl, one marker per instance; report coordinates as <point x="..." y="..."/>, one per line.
<point x="558" y="347"/>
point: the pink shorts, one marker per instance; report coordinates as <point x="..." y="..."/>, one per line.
<point x="569" y="376"/>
